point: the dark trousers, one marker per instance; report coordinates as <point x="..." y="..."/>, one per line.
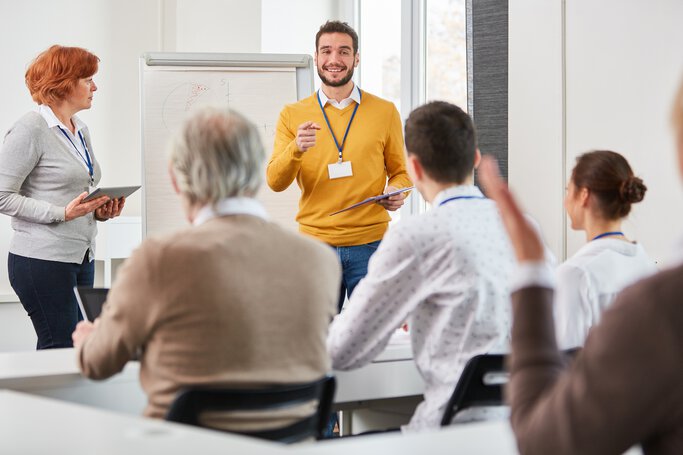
<point x="45" y="289"/>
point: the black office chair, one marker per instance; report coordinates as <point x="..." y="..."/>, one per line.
<point x="191" y="402"/>
<point x="480" y="384"/>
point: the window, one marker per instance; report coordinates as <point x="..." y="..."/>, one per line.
<point x="446" y="62"/>
<point x="435" y="56"/>
<point x="380" y="49"/>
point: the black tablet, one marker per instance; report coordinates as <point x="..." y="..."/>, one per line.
<point x="90" y="301"/>
<point x="114" y="192"/>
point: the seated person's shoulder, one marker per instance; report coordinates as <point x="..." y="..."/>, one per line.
<point x="300" y="244"/>
<point x="649" y="303"/>
<point x="419" y="231"/>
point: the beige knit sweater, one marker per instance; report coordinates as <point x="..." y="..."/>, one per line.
<point x="235" y="301"/>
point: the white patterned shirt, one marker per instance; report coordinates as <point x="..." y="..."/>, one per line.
<point x="447" y="272"/>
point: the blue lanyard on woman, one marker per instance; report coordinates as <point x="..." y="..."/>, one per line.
<point x="607" y="234"/>
<point x="348" y="127"/>
<point x="459" y="197"/>
<point x="86" y="158"/>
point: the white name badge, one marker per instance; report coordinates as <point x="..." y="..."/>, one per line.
<point x="338" y="170"/>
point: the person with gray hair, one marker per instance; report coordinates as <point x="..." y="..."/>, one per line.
<point x="217" y="303"/>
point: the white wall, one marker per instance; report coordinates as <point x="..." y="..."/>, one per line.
<point x="535" y="113"/>
<point x="217" y="26"/>
<point x="623" y="62"/>
<point x="296" y="35"/>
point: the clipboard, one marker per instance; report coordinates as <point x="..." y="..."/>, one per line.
<point x="373" y="199"/>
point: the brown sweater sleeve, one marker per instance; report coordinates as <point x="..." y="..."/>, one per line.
<point x="613" y="396"/>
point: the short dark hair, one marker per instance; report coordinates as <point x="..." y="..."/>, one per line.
<point x="337" y="27"/>
<point x="608" y="176"/>
<point x="442" y="137"/>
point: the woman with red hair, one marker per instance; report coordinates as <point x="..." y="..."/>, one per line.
<point x="47" y="167"/>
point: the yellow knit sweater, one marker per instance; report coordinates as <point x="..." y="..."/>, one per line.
<point x="375" y="148"/>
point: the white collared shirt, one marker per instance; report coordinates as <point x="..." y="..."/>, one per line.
<point x="230" y="206"/>
<point x="354" y="96"/>
<point x="55" y="124"/>
<point x="447" y="272"/>
<point x="589" y="281"/>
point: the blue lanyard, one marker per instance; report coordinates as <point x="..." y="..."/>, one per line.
<point x="460" y="197"/>
<point x="348" y="127"/>
<point x="86" y="158"/>
<point x="607" y="234"/>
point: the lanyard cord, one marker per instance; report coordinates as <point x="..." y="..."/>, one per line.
<point x="86" y="158"/>
<point x="607" y="234"/>
<point x="348" y="127"/>
<point x="460" y="197"/>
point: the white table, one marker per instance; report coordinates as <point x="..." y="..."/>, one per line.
<point x="35" y="425"/>
<point x="393" y="374"/>
<point x="489" y="438"/>
<point x="54" y="373"/>
<point x="38" y="425"/>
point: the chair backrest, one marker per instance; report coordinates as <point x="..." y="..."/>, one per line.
<point x="480" y="384"/>
<point x="191" y="402"/>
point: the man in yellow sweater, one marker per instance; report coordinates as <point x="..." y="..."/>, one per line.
<point x="342" y="145"/>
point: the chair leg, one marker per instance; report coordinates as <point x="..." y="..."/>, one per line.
<point x="345" y="420"/>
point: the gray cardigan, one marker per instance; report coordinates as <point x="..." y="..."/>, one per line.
<point x="39" y="176"/>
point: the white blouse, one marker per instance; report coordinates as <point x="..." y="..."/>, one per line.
<point x="588" y="282"/>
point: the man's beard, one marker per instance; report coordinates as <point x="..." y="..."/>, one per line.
<point x="343" y="81"/>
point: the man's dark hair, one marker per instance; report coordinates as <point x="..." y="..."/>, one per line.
<point x="442" y="137"/>
<point x="337" y="27"/>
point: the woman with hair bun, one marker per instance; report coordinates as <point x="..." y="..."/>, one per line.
<point x="599" y="196"/>
<point x="47" y="167"/>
